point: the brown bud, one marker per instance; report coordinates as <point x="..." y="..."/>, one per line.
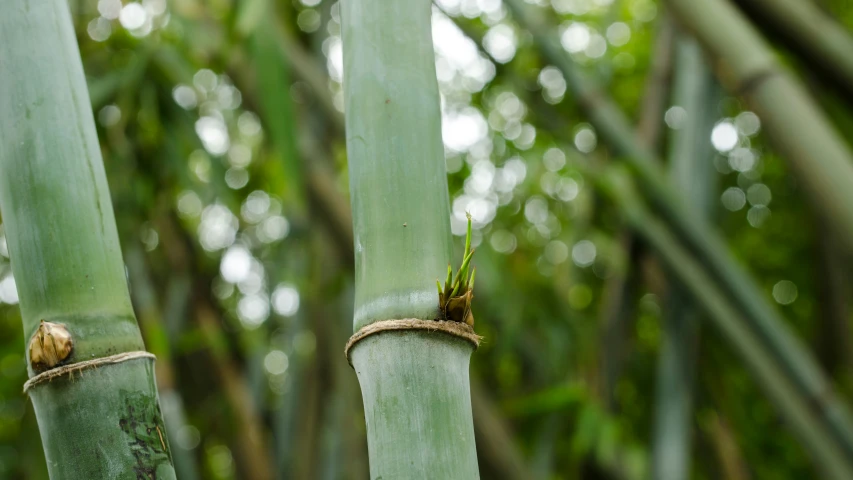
<point x="458" y="308"/>
<point x="50" y="345"/>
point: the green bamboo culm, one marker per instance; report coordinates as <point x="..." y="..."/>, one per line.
<point x="398" y="177"/>
<point x="103" y="421"/>
<point x="817" y="38"/>
<point x="414" y="383"/>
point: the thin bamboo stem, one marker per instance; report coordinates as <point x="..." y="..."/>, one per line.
<point x="691" y="160"/>
<point x="621" y="289"/>
<point x="154" y="331"/>
<point x="656" y="90"/>
<point x="725" y="444"/>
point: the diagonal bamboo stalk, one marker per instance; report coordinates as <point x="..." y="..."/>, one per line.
<point x="723" y="439"/>
<point x="817" y="39"/>
<point x="699" y="237"/>
<point x="748" y="67"/>
<point x="802" y="416"/>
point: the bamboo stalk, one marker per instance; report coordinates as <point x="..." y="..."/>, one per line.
<point x="495" y="442"/>
<point x="252" y="445"/>
<point x="818" y="39"/>
<point x="334" y="210"/>
<point x="273" y="83"/>
<point x="798" y="129"/>
<point x="691" y="167"/>
<point x="732" y="464"/>
<point x="656" y="90"/>
<point x="497" y="445"/>
<point x="65" y="252"/>
<point x="619" y="303"/>
<point x="253" y="452"/>
<point x="833" y="280"/>
<point x="697" y="234"/>
<point x="151" y="323"/>
<point x="802" y="415"/>
<point x="603" y="113"/>
<point x="414" y="384"/>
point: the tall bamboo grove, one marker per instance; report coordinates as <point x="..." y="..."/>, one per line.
<point x="91" y="383"/>
<point x="413" y="370"/>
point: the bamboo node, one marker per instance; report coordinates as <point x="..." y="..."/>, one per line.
<point x="753" y="81"/>
<point x="456" y="329"/>
<point x="69" y="370"/>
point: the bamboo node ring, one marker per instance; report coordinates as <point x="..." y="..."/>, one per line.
<point x="85" y="365"/>
<point x="449" y="327"/>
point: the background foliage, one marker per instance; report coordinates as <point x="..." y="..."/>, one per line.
<point x="222" y="134"/>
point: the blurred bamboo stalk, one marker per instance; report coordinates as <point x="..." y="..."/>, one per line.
<point x="803" y="415"/>
<point x="157" y="340"/>
<point x="833" y="279"/>
<point x="619" y="302"/>
<point x="799" y="130"/>
<point x="335" y="211"/>
<point x="705" y="244"/>
<point x="494" y="440"/>
<point x="256" y="14"/>
<point x="252" y="445"/>
<point x="272" y="81"/>
<point x="691" y="168"/>
<point x="657" y="88"/>
<point x="254" y="458"/>
<point x="725" y="444"/>
<point x="603" y="113"/>
<point x="817" y="39"/>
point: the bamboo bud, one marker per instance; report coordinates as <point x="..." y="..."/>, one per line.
<point x="50" y="345"/>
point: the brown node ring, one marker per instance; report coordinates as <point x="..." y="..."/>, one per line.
<point x="70" y="370"/>
<point x="449" y="327"/>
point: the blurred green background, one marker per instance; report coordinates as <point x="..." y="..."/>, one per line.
<point x="222" y="132"/>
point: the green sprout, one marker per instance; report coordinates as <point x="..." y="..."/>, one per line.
<point x="454" y="299"/>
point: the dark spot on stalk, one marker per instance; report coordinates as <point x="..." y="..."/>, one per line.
<point x="142" y="422"/>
